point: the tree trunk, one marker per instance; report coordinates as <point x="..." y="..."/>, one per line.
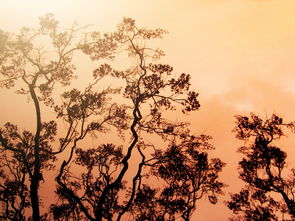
<point x="35" y="179"/>
<point x="35" y="199"/>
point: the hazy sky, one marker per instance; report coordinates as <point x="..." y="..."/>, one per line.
<point x="240" y="54"/>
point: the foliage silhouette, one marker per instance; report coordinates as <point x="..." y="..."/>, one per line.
<point x="180" y="164"/>
<point x="22" y="60"/>
<point x="269" y="190"/>
<point x="35" y="69"/>
<point x="157" y="172"/>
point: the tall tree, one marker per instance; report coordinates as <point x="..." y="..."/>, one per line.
<point x="34" y="62"/>
<point x="270" y="189"/>
<point x="148" y="180"/>
<point x="158" y="170"/>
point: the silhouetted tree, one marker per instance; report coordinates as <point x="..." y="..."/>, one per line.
<point x="159" y="170"/>
<point x="270" y="189"/>
<point x="13" y="190"/>
<point x="34" y="62"/>
<point x="147" y="180"/>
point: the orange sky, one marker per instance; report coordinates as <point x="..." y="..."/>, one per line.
<point x="240" y="54"/>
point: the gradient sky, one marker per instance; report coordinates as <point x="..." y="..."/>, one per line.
<point x="240" y="54"/>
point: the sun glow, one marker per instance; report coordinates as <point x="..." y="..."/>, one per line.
<point x="67" y="11"/>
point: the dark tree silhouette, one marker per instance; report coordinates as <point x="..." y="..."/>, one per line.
<point x="270" y="189"/>
<point x="34" y="62"/>
<point x="21" y="60"/>
<point x="13" y="190"/>
<point x="148" y="180"/>
<point x="152" y="168"/>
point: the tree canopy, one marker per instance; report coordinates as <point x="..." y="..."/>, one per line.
<point x="159" y="169"/>
<point x="269" y="190"/>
